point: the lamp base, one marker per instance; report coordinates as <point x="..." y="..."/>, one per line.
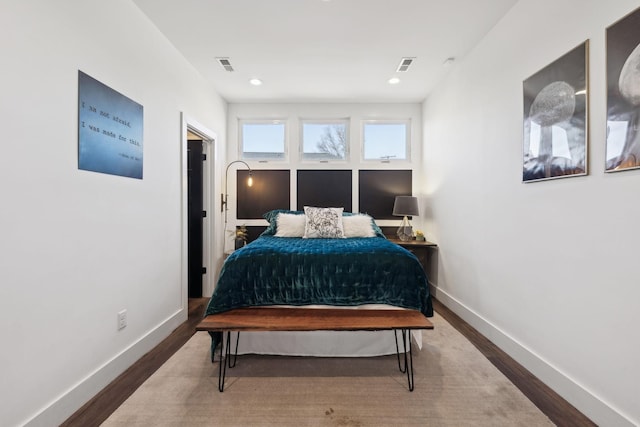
<point x="405" y="231"/>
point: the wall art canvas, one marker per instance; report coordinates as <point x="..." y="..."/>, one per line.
<point x="555" y="118"/>
<point x="623" y="94"/>
<point x="110" y="130"/>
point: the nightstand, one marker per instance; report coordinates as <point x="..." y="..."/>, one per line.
<point x="422" y="249"/>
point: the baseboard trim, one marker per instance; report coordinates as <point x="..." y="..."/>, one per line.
<point x="585" y="401"/>
<point x="64" y="406"/>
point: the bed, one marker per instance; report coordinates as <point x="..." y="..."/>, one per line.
<point x="344" y="262"/>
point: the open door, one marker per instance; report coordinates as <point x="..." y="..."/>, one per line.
<point x="198" y="159"/>
<point x="195" y="213"/>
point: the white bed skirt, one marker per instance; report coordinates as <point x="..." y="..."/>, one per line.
<point x="324" y="343"/>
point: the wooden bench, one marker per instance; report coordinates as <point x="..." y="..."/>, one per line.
<point x="255" y="319"/>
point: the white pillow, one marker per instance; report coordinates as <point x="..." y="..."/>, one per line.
<point x="289" y="225"/>
<point x="357" y="226"/>
<point x="323" y="223"/>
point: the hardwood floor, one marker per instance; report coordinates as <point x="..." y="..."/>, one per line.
<point x="559" y="411"/>
<point x="98" y="409"/>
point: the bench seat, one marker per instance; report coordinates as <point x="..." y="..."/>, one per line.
<point x="255" y="319"/>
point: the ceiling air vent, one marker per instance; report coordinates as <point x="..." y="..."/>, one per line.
<point x="404" y="64"/>
<point x="225" y="64"/>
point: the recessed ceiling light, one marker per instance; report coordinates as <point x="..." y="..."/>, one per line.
<point x="393" y="81"/>
<point x="255" y="82"/>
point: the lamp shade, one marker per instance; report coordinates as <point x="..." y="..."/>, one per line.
<point x="405" y="206"/>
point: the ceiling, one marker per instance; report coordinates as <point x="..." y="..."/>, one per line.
<point x="324" y="50"/>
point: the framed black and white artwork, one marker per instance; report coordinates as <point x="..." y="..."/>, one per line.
<point x="623" y="94"/>
<point x="555" y="118"/>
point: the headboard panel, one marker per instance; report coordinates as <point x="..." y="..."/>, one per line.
<point x="379" y="188"/>
<point x="271" y="190"/>
<point x="325" y="188"/>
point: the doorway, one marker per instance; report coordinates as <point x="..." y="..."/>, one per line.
<point x="198" y="159"/>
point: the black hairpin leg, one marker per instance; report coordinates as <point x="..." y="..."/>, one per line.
<point x="406" y="333"/>
<point x="403" y="369"/>
<point x="222" y="365"/>
<point x="408" y="359"/>
<point x="226" y="360"/>
<point x="235" y="354"/>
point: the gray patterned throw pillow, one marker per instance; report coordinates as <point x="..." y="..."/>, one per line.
<point x="323" y="223"/>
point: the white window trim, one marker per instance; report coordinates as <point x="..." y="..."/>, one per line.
<point x="265" y="159"/>
<point x="347" y="149"/>
<point x="406" y="122"/>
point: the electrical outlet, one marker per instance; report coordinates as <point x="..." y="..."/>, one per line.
<point x="122" y="319"/>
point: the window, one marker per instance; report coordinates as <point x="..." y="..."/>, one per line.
<point x="262" y="139"/>
<point x="385" y="140"/>
<point x="325" y="140"/>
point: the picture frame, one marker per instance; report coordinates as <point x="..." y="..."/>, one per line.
<point x="623" y="94"/>
<point x="110" y="130"/>
<point x="555" y="122"/>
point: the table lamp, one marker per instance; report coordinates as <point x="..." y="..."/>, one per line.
<point x="405" y="206"/>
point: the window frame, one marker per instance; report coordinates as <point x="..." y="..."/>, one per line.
<point x="263" y="159"/>
<point x="333" y="121"/>
<point x="406" y="122"/>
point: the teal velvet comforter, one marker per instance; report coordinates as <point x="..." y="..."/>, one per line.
<point x="340" y="272"/>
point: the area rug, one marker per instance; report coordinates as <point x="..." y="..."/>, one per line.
<point x="455" y="385"/>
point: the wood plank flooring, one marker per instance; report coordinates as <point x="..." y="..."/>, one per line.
<point x="98" y="409"/>
<point x="559" y="411"/>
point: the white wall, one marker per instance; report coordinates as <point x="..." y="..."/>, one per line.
<point x="293" y="113"/>
<point x="76" y="246"/>
<point x="547" y="270"/>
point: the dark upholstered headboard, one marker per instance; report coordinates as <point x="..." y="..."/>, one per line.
<point x="328" y="187"/>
